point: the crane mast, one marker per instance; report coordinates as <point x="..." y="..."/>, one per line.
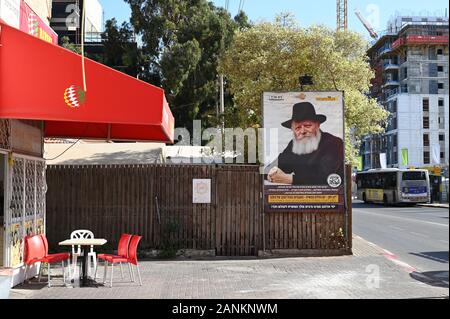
<point x="366" y="24"/>
<point x="342" y="15"/>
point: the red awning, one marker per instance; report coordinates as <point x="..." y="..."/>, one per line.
<point x="42" y="81"/>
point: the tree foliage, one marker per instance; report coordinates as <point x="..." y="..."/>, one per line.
<point x="65" y="43"/>
<point x="272" y="56"/>
<point x="120" y="48"/>
<point x="183" y="41"/>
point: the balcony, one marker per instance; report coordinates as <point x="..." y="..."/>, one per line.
<point x="391" y="66"/>
<point x="419" y="39"/>
<point x="391" y="84"/>
<point x="395" y="91"/>
<point x="387" y="51"/>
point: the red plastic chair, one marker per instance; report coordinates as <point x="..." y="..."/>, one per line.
<point x="36" y="250"/>
<point x="132" y="254"/>
<point x="131" y="259"/>
<point x="122" y="251"/>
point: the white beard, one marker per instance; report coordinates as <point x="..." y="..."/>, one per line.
<point x="307" y="145"/>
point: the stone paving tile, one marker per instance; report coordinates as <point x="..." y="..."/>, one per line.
<point x="284" y="278"/>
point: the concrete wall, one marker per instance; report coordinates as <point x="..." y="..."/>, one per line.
<point x="410" y="126"/>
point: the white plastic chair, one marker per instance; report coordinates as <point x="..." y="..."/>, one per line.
<point x="86" y="234"/>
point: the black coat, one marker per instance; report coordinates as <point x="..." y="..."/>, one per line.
<point x="314" y="168"/>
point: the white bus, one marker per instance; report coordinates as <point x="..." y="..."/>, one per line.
<point x="394" y="186"/>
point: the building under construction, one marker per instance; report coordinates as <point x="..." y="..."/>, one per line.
<point x="411" y="65"/>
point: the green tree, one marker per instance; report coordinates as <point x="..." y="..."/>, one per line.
<point x="65" y="43"/>
<point x="183" y="41"/>
<point x="272" y="56"/>
<point x="120" y="48"/>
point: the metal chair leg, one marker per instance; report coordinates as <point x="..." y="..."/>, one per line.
<point x="131" y="272"/>
<point x="139" y="274"/>
<point x="48" y="275"/>
<point x="75" y="266"/>
<point x="112" y="273"/>
<point x="40" y="271"/>
<point x="69" y="268"/>
<point x="121" y="270"/>
<point x="64" y="272"/>
<point x="104" y="274"/>
<point x="26" y="275"/>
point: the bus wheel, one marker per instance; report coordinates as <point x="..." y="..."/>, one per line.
<point x="385" y="200"/>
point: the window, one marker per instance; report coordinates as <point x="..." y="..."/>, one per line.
<point x="426" y="105"/>
<point x="426" y="140"/>
<point x="433" y="69"/>
<point x="414" y="176"/>
<point x="441" y="102"/>
<point x="440" y="52"/>
<point x="426" y="122"/>
<point x="426" y="157"/>
<point x="393" y="107"/>
<point x="440" y="68"/>
<point x="440" y="86"/>
<point x="441" y="138"/>
<point x="433" y="87"/>
<point x="441" y="122"/>
<point x="442" y="155"/>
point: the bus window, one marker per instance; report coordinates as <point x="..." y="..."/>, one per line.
<point x="414" y="176"/>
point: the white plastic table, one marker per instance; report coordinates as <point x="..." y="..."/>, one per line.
<point x="85" y="244"/>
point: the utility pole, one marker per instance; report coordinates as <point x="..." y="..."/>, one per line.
<point x="222" y="94"/>
<point x="222" y="102"/>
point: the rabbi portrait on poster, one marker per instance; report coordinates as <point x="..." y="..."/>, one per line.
<point x="313" y="157"/>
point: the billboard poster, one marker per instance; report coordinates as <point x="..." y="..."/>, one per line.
<point x="29" y="227"/>
<point x="32" y="24"/>
<point x="304" y="151"/>
<point x="16" y="242"/>
<point x="40" y="226"/>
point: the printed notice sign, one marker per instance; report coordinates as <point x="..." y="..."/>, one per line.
<point x="201" y="191"/>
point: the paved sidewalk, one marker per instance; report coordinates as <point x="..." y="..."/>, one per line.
<point x="436" y="205"/>
<point x="285" y="278"/>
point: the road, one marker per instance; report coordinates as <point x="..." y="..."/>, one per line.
<point x="418" y="236"/>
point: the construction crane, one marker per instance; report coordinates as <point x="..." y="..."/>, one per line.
<point x="342" y="15"/>
<point x="366" y="24"/>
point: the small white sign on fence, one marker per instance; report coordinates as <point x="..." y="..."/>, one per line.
<point x="201" y="191"/>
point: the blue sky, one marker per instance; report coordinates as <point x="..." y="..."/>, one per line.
<point x="378" y="12"/>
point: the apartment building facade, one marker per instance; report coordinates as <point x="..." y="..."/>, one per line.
<point x="411" y="64"/>
<point x="66" y="20"/>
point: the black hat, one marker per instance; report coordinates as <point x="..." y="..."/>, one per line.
<point x="302" y="112"/>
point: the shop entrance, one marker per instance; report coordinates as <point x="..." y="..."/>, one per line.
<point x="23" y="207"/>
